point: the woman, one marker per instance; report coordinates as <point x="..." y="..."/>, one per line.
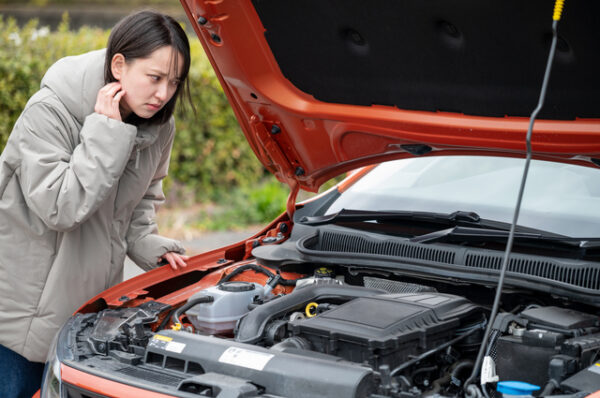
<point x="80" y="178"/>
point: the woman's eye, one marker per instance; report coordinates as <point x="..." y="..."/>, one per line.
<point x="175" y="82"/>
<point x="154" y="77"/>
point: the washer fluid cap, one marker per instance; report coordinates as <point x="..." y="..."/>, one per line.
<point x="236" y="286"/>
<point x="516" y="388"/>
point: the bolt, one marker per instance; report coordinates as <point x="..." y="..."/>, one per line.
<point x="450" y="29"/>
<point x="123" y="298"/>
<point x="299" y="171"/>
<point x="221" y="261"/>
<point x="216" y="38"/>
<point x="275" y="129"/>
<point x="202" y="20"/>
<point x="283" y="228"/>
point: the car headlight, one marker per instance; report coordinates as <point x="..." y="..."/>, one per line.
<point x="58" y="352"/>
<point x="51" y="381"/>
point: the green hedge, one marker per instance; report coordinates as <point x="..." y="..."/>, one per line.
<point x="210" y="155"/>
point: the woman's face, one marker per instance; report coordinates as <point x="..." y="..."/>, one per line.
<point x="149" y="83"/>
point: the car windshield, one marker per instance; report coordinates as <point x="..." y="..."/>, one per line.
<point x="559" y="198"/>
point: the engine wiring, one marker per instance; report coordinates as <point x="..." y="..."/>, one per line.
<point x="470" y="331"/>
<point x="469" y="388"/>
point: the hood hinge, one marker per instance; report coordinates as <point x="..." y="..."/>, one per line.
<point x="269" y="149"/>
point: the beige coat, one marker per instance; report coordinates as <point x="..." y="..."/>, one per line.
<point x="78" y="192"/>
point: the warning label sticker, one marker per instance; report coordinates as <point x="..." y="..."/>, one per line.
<point x="159" y="341"/>
<point x="245" y="358"/>
<point x="174" y="346"/>
<point x="595" y="368"/>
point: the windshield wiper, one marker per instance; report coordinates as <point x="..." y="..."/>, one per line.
<point x="457" y="218"/>
<point x="471" y="235"/>
<point x="463" y="227"/>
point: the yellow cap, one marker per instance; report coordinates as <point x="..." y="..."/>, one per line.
<point x="177" y="326"/>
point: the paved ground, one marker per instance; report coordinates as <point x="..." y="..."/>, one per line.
<point x="205" y="243"/>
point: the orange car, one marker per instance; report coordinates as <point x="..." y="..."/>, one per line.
<point x="445" y="265"/>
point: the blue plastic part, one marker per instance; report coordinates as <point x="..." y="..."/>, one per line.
<point x="516" y="388"/>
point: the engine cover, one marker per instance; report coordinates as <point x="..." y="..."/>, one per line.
<point x="387" y="329"/>
<point x="230" y="369"/>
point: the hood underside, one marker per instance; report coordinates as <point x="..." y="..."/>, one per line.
<point x="323" y="87"/>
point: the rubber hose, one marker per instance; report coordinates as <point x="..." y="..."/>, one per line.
<point x="548" y="388"/>
<point x="259" y="269"/>
<point x="473" y="392"/>
<point x="188" y="305"/>
<point x="467" y="363"/>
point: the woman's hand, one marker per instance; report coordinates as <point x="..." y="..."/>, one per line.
<point x="107" y="101"/>
<point x="176" y="260"/>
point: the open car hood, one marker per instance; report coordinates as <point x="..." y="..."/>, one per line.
<point x="322" y="87"/>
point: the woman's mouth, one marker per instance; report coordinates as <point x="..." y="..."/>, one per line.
<point x="153" y="107"/>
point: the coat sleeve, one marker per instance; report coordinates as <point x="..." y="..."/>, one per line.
<point x="144" y="245"/>
<point x="65" y="182"/>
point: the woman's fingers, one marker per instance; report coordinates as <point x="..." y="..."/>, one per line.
<point x="180" y="260"/>
<point x="116" y="100"/>
<point x="170" y="258"/>
<point x="176" y="260"/>
<point x="107" y="101"/>
<point x="111" y="89"/>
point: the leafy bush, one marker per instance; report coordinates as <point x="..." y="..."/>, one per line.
<point x="26" y="53"/>
<point x="245" y="206"/>
<point x="210" y="157"/>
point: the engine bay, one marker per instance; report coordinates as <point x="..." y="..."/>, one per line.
<point x="339" y="331"/>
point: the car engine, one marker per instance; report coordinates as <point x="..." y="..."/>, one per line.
<point x="334" y="337"/>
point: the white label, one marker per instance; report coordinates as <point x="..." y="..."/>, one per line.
<point x="245" y="358"/>
<point x="595" y="368"/>
<point x="174" y="346"/>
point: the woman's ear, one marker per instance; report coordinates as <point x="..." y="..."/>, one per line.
<point x="117" y="65"/>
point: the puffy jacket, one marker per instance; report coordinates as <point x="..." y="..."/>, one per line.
<point x="78" y="192"/>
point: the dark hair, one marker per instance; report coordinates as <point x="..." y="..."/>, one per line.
<point x="137" y="36"/>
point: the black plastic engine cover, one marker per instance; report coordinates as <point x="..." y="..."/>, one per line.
<point x="587" y="380"/>
<point x="562" y="318"/>
<point x="222" y="363"/>
<point x="386" y="329"/>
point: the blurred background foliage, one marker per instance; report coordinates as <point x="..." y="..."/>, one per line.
<point x="215" y="181"/>
<point x="213" y="170"/>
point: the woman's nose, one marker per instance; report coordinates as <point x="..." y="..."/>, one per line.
<point x="161" y="92"/>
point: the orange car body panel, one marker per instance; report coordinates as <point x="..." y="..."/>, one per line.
<point x="319" y="140"/>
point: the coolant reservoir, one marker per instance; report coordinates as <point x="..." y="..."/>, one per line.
<point x="231" y="301"/>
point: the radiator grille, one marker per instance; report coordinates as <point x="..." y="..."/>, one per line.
<point x="76" y="392"/>
<point x="148" y="375"/>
